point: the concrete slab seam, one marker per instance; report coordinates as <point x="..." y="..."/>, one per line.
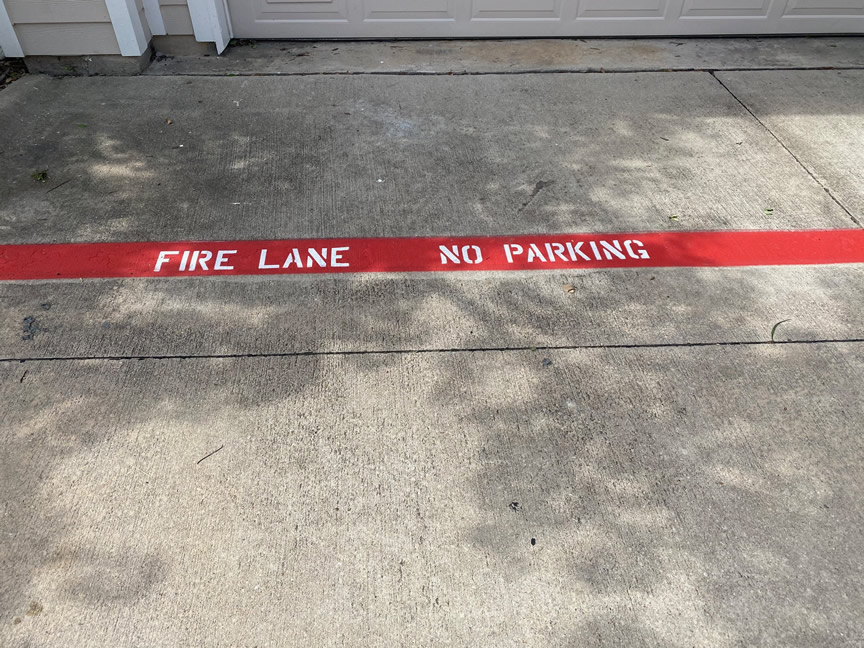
<point x="525" y="72"/>
<point x="788" y="150"/>
<point x="454" y="350"/>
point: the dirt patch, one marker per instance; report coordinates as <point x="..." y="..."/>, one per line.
<point x="11" y="70"/>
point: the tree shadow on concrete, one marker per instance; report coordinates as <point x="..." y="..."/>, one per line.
<point x="247" y="158"/>
<point x="620" y="461"/>
<point x="697" y="497"/>
<point x="677" y="496"/>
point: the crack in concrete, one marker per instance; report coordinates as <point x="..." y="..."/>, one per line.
<point x="538" y="187"/>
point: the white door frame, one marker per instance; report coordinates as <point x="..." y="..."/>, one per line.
<point x="154" y="17"/>
<point x="8" y="38"/>
<point x="211" y="22"/>
<point x="127" y="27"/>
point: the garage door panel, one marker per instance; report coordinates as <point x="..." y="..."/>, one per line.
<point x="823" y="8"/>
<point x="726" y="8"/>
<point x="516" y="10"/>
<point x="540" y="18"/>
<point x="305" y="10"/>
<point x="409" y="10"/>
<point x="622" y="9"/>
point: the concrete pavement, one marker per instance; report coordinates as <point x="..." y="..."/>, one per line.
<point x="520" y="56"/>
<point x="834" y="149"/>
<point x="301" y="157"/>
<point x="674" y="497"/>
<point x="432" y="459"/>
<point x="240" y="316"/>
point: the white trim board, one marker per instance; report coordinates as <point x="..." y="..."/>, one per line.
<point x="8" y="38"/>
<point x="154" y="17"/>
<point x="211" y="22"/>
<point x="127" y="27"/>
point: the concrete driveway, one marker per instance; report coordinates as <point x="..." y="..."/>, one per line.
<point x="433" y="459"/>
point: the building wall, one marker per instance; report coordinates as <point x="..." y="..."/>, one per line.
<point x="62" y="27"/>
<point x="175" y="14"/>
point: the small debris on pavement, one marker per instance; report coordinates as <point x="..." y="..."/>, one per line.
<point x="169" y="121"/>
<point x="40" y="176"/>
<point x="23" y="376"/>
<point x="569" y="288"/>
<point x="547" y="362"/>
<point x="46" y="306"/>
<point x="533" y="541"/>
<point x="10" y="70"/>
<point x="515" y="506"/>
<point x="65" y="182"/>
<point x="209" y="455"/>
<point x="774" y="328"/>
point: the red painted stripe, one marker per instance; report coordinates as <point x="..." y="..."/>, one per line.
<point x="533" y="252"/>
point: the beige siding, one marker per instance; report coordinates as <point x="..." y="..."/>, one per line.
<point x="175" y="13"/>
<point x="57" y="11"/>
<point x="63" y="27"/>
<point x="67" y="39"/>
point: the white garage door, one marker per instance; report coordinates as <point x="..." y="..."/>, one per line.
<point x="505" y="18"/>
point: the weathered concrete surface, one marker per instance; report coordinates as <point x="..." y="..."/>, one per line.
<point x="457" y="155"/>
<point x="90" y="65"/>
<point x="819" y="117"/>
<point x="679" y="495"/>
<point x="325" y="314"/>
<point x="676" y="497"/>
<point x="302" y="156"/>
<point x="524" y="55"/>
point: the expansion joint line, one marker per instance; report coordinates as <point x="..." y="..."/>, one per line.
<point x="442" y="351"/>
<point x="789" y="151"/>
